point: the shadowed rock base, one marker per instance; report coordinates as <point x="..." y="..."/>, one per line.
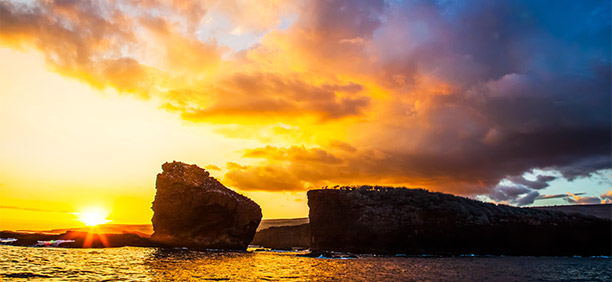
<point x="284" y="237"/>
<point x="414" y="221"/>
<point x="192" y="209"/>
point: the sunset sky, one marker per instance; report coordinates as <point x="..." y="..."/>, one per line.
<point x="504" y="101"/>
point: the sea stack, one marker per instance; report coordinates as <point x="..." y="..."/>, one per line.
<point x="192" y="209"/>
<point x="414" y="221"/>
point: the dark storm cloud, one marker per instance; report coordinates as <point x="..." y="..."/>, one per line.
<point x="480" y="91"/>
<point x="540" y="182"/>
<point x="527" y="199"/>
<point x="505" y="193"/>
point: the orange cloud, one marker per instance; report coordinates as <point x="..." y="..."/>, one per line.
<point x="277" y="96"/>
<point x="265" y="178"/>
<point x="606" y="198"/>
<point x="136" y="49"/>
<point x="293" y="154"/>
<point x="212" y="167"/>
<point x="305" y="168"/>
<point x="77" y="42"/>
<point x="455" y="98"/>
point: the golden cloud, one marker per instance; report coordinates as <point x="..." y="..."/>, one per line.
<point x="368" y="92"/>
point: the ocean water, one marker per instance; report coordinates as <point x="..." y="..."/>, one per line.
<point x="153" y="264"/>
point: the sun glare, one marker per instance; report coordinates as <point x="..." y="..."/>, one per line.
<point x="93" y="216"/>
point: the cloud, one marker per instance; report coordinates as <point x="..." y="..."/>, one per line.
<point x="257" y="16"/>
<point x="520" y="190"/>
<point x="474" y="114"/>
<point x="316" y="167"/>
<point x="528" y="199"/>
<point x="450" y="96"/>
<point x="263" y="94"/>
<point x="540" y="182"/>
<point x="577" y="198"/>
<point x="268" y="178"/>
<point x="584" y="168"/>
<point x="77" y="37"/>
<point x="573" y="199"/>
<point x="505" y="193"/>
<point x="557" y="196"/>
<point x="212" y="167"/>
<point x="606" y="196"/>
<point x="293" y="154"/>
<point x="337" y="144"/>
<point x="234" y="166"/>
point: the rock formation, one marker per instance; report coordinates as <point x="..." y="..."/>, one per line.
<point x="284" y="237"/>
<point x="192" y="209"/>
<point x="415" y="221"/>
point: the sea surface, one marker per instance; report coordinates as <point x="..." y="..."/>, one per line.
<point x="153" y="264"/>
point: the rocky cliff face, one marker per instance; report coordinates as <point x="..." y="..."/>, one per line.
<point x="414" y="221"/>
<point x="284" y="237"/>
<point x="195" y="210"/>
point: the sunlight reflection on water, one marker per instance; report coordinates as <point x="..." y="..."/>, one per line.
<point x="151" y="264"/>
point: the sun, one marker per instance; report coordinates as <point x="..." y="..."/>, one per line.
<point x="93" y="216"/>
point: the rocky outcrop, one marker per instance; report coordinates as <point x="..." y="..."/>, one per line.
<point x="415" y="221"/>
<point x="284" y="237"/>
<point x="192" y="209"/>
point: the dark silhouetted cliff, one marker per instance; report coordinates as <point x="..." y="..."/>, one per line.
<point x="284" y="237"/>
<point x="415" y="221"/>
<point x="600" y="210"/>
<point x="192" y="209"/>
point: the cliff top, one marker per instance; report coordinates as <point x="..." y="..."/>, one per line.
<point x="194" y="176"/>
